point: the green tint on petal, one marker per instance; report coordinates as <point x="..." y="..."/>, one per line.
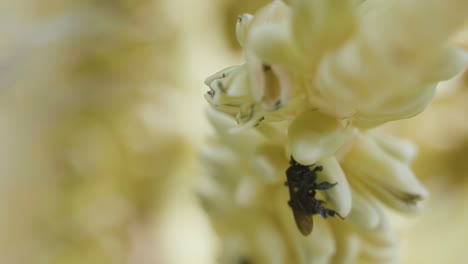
<point x="314" y="136"/>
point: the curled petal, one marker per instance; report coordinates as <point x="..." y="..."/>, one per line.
<point x="314" y="136"/>
<point x="340" y="195"/>
<point x="351" y="83"/>
<point x="401" y="149"/>
<point x="220" y="75"/>
<point x="319" y="25"/>
<point x="276" y="132"/>
<point x="364" y="214"/>
<point x="244" y="141"/>
<point x="395" y="106"/>
<point x="256" y="76"/>
<point x="388" y="178"/>
<point x="381" y="237"/>
<point x="231" y="81"/>
<point x="402" y="201"/>
<point x="242" y="25"/>
<point x="268" y="16"/>
<point x="359" y="79"/>
<point x="272" y="42"/>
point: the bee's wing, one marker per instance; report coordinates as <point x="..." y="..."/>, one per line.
<point x="304" y="222"/>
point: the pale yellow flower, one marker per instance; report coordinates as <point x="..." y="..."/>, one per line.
<point x="318" y="75"/>
<point x="246" y="186"/>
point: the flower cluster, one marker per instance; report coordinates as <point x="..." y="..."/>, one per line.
<point x="319" y="77"/>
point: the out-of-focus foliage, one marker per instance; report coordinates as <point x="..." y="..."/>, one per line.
<point x="99" y="133"/>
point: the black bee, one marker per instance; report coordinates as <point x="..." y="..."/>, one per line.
<point x="302" y="190"/>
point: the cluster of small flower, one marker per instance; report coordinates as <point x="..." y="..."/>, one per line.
<point x="319" y="77"/>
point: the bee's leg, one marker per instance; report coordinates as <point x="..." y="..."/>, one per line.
<point x="337" y="214"/>
<point x="319" y="202"/>
<point x="324" y="185"/>
<point x="292" y="161"/>
<point x="332" y="213"/>
<point x="311" y="192"/>
<point x="322" y="211"/>
<point x="317" y="169"/>
<point x="312" y="205"/>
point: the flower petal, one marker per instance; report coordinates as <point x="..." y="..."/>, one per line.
<point x="314" y="136"/>
<point x="244" y="141"/>
<point x="272" y="44"/>
<point x="363" y="214"/>
<point x="340" y="195"/>
<point x="385" y="176"/>
<point x="242" y="25"/>
<point x="319" y="25"/>
<point x="401" y="149"/>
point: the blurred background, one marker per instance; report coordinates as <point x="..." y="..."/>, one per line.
<point x="102" y="119"/>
